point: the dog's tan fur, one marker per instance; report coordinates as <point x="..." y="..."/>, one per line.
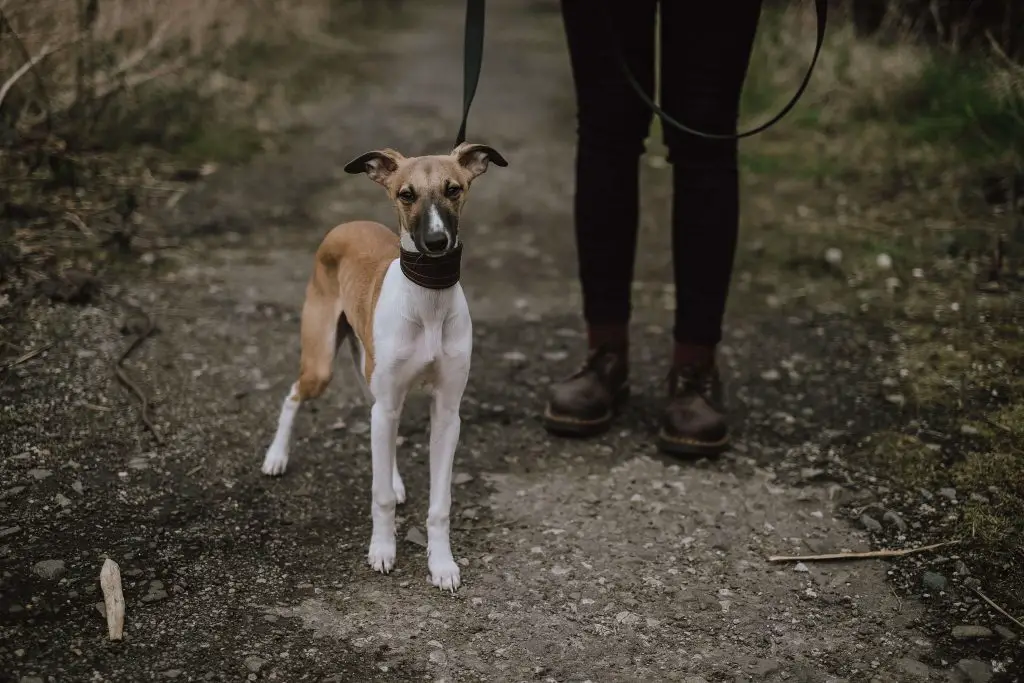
<point x="353" y="258"/>
<point x="341" y="297"/>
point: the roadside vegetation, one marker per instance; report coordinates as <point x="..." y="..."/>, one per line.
<point x="897" y="192"/>
<point x="110" y="108"/>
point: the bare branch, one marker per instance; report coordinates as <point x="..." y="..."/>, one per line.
<point x="24" y="69"/>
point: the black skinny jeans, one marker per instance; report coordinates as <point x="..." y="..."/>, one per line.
<point x="705" y="53"/>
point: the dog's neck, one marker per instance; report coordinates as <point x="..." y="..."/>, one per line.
<point x="430" y="272"/>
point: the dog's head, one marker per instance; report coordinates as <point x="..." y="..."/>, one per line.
<point x="429" y="191"/>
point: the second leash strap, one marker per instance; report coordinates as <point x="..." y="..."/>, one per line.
<point x="821" y="14"/>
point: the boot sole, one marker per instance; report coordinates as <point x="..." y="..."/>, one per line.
<point x="679" y="445"/>
<point x="566" y="425"/>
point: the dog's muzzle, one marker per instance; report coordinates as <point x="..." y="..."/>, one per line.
<point x="437" y="231"/>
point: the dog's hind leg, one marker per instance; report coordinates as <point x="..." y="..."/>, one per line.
<point x="322" y="325"/>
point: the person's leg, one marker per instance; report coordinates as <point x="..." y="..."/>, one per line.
<point x="612" y="124"/>
<point x="705" y="54"/>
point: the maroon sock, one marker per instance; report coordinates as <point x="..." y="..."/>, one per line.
<point x="693" y="355"/>
<point x="610" y="337"/>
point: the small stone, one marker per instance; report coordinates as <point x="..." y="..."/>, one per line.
<point x="9" y="531"/>
<point x="416" y="536"/>
<point x="51" y="570"/>
<point x="975" y="670"/>
<point x="914" y="668"/>
<point x="971" y="632"/>
<point x="63" y="500"/>
<point x="870" y="523"/>
<point x="833" y="256"/>
<point x="77" y="486"/>
<point x="969" y="430"/>
<point x="801" y="567"/>
<point x="39" y="473"/>
<point x="462" y="478"/>
<point x="883" y="261"/>
<point x="515" y="357"/>
<point x="154" y="594"/>
<point x="771" y="375"/>
<point x="949" y="493"/>
<point x="359" y="428"/>
<point x="172" y="673"/>
<point x="101" y="608"/>
<point x="765" y="667"/>
<point x="438" y="657"/>
<point x="895" y="519"/>
<point x="254" y="664"/>
<point x="11" y="492"/>
<point x="934" y="581"/>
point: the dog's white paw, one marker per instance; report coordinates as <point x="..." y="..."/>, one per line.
<point x="445" y="574"/>
<point x="275" y="462"/>
<point x="382" y="555"/>
<point x="399" y="486"/>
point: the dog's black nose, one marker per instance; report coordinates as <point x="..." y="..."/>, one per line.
<point x="436" y="242"/>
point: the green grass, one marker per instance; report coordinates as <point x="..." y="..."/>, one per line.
<point x="953" y="103"/>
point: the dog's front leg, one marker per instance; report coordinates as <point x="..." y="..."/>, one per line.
<point x="384" y="418"/>
<point x="445" y="425"/>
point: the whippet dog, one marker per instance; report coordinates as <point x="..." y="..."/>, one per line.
<point x="396" y="298"/>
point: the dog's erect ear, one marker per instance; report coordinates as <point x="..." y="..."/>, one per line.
<point x="475" y="158"/>
<point x="378" y="164"/>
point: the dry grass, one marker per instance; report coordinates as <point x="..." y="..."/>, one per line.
<point x="87" y="50"/>
<point x="107" y="106"/>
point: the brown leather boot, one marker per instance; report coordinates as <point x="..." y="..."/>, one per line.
<point x="694" y="421"/>
<point x="585" y="403"/>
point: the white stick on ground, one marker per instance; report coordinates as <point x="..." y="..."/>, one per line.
<point x="113" y="598"/>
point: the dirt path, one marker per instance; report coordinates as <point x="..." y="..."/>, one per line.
<point x="583" y="561"/>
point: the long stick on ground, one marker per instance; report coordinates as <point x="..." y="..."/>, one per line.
<point x="858" y="556"/>
<point x="998" y="608"/>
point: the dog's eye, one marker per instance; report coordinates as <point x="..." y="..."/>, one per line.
<point x="453" y="191"/>
<point x="407" y="196"/>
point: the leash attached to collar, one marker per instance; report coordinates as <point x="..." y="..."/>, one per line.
<point x="432" y="272"/>
<point x="473" y="57"/>
<point x="821" y="14"/>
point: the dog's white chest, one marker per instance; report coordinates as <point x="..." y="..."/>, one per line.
<point x="420" y="334"/>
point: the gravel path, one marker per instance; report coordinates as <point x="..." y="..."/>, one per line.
<point x="582" y="561"/>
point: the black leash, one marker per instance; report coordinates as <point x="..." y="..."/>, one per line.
<point x="473" y="51"/>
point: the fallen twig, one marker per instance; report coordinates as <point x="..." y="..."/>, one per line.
<point x="859" y="556"/>
<point x="193" y="470"/>
<point x="148" y="328"/>
<point x="998" y="608"/>
<point x="76" y="221"/>
<point x="113" y="598"/>
<point x="26" y="357"/>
